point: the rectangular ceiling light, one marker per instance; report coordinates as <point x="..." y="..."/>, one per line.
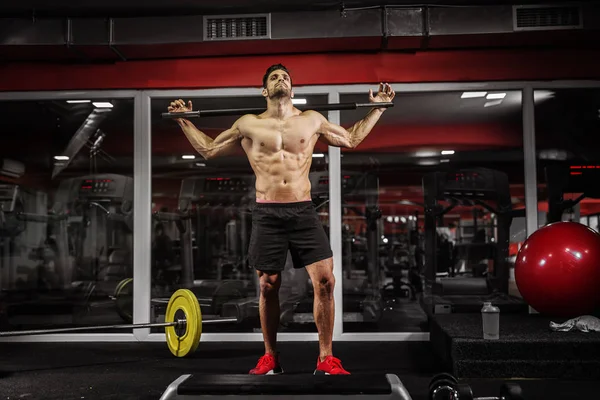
<point x="472" y="95"/>
<point x="447" y="152"/>
<point x="427" y="162"/>
<point x="298" y="101"/>
<point x="78" y="101"/>
<point x="61" y="158"/>
<point x="188" y="157"/>
<point x="318" y="155"/>
<point x="493" y="103"/>
<point x="102" y="104"/>
<point x="496" y="96"/>
<point x="425" y="153"/>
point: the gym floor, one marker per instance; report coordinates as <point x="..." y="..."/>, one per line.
<point x="143" y="370"/>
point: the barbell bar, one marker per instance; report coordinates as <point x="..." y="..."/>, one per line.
<point x="258" y="110"/>
<point x="183" y="324"/>
<point x="179" y="322"/>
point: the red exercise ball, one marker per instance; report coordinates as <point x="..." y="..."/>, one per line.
<point x="557" y="270"/>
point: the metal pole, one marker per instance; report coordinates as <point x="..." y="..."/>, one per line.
<point x="179" y="322"/>
<point x="530" y="165"/>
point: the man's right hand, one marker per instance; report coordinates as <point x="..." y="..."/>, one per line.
<point x="179" y="106"/>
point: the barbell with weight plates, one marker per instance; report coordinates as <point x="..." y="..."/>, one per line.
<point x="258" y="110"/>
<point x="446" y="387"/>
<point x="183" y="324"/>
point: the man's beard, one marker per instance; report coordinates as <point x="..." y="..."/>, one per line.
<point x="279" y="92"/>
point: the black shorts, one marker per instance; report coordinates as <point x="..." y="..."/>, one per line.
<point x="279" y="227"/>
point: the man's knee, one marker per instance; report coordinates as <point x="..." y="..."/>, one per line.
<point x="323" y="280"/>
<point x="324" y="285"/>
<point x="269" y="283"/>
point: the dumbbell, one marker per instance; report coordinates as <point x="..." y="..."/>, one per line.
<point x="446" y="387"/>
<point x="441" y="383"/>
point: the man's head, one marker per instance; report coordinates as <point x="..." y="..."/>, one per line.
<point x="277" y="82"/>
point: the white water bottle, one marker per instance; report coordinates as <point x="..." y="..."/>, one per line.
<point x="491" y="321"/>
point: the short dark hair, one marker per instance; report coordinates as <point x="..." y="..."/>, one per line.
<point x="273" y="68"/>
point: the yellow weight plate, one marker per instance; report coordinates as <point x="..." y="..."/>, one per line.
<point x="120" y="284"/>
<point x="124" y="299"/>
<point x="183" y="340"/>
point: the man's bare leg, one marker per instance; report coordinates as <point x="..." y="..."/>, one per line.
<point x="321" y="276"/>
<point x="269" y="308"/>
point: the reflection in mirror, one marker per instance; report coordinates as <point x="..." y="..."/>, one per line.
<point x="202" y="223"/>
<point x="568" y="161"/>
<point x="66" y="211"/>
<point x="431" y="199"/>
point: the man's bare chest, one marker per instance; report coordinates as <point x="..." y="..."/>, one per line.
<point x="293" y="135"/>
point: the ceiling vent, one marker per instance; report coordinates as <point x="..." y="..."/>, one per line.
<point x="546" y="17"/>
<point x="237" y="27"/>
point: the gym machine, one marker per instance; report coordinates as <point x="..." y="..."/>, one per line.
<point x="213" y="225"/>
<point x="470" y="187"/>
<point x="216" y="201"/>
<point x="68" y="286"/>
<point x="194" y="261"/>
<point x="15" y="213"/>
<point x="43" y="282"/>
<point x="100" y="210"/>
<point x="404" y="264"/>
<point x="91" y="220"/>
<point x="569" y="178"/>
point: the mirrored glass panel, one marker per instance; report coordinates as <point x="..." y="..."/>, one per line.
<point x="568" y="158"/>
<point x="66" y="212"/>
<point x="431" y="199"/>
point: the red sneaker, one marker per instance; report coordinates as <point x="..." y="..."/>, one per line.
<point x="267" y="365"/>
<point x="331" y="366"/>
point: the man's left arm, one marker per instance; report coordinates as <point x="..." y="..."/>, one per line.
<point x="338" y="136"/>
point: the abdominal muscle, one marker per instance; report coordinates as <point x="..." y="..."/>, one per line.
<point x="281" y="177"/>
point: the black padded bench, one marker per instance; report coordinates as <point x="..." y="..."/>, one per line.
<point x="213" y="386"/>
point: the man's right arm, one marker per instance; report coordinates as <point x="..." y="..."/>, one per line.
<point x="205" y="145"/>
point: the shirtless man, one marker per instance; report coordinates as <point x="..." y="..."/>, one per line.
<point x="279" y="144"/>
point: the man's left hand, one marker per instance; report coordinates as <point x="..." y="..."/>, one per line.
<point x="385" y="95"/>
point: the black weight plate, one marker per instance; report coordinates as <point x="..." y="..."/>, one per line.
<point x="464" y="391"/>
